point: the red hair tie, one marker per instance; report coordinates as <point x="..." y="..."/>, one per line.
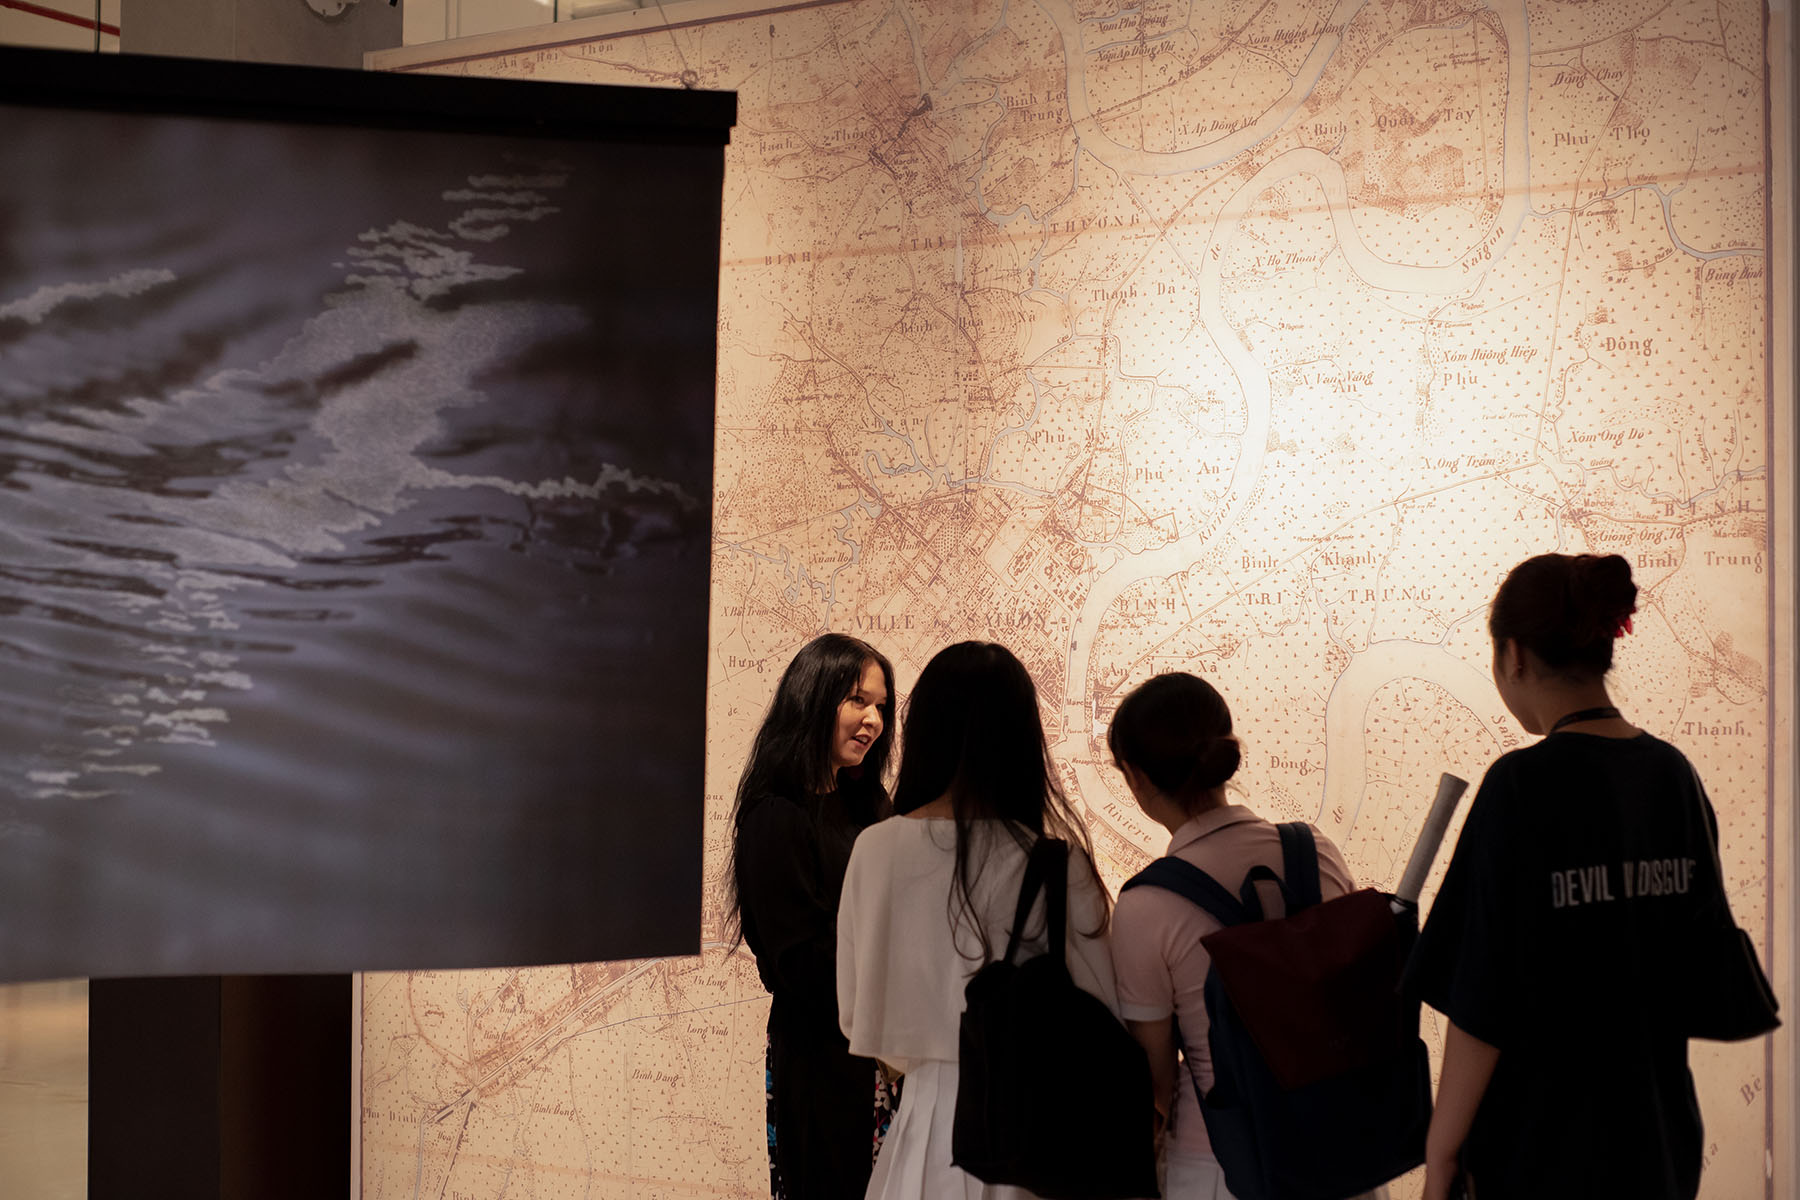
<point x="1624" y="625"/>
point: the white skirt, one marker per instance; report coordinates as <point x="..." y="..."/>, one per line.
<point x="1195" y="1177"/>
<point x="1191" y="1177"/>
<point x="914" y="1163"/>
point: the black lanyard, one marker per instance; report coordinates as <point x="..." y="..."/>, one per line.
<point x="1586" y="714"/>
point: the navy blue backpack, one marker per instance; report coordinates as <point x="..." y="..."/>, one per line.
<point x="1322" y="1089"/>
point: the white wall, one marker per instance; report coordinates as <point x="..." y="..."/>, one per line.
<point x="436" y="20"/>
<point x="258" y="30"/>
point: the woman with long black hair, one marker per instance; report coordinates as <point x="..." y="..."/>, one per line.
<point x="930" y="895"/>
<point x="813" y="782"/>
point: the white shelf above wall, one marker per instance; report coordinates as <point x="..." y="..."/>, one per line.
<point x="440" y="20"/>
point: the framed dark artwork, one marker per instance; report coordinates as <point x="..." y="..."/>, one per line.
<point x="356" y="440"/>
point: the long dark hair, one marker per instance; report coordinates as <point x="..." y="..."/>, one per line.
<point x="1176" y="729"/>
<point x="973" y="734"/>
<point x="791" y="755"/>
<point x="1567" y="609"/>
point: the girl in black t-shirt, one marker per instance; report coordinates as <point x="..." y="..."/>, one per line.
<point x="1555" y="944"/>
<point x="813" y="782"/>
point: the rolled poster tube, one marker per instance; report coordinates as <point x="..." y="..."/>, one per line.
<point x="1449" y="791"/>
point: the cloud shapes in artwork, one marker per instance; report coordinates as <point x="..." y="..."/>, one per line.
<point x="34" y="308"/>
<point x="422" y="258"/>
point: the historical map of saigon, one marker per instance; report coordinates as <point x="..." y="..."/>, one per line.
<point x="1253" y="337"/>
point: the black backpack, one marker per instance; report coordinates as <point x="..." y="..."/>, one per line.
<point x="1322" y="1089"/>
<point x="1053" y="1095"/>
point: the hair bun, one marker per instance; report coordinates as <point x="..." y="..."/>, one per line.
<point x="1601" y="595"/>
<point x="1216" y="762"/>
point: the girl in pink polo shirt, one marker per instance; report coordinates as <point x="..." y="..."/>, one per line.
<point x="1172" y="740"/>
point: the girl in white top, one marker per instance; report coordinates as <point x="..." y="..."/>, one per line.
<point x="929" y="898"/>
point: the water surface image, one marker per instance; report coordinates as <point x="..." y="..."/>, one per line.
<point x="354" y="499"/>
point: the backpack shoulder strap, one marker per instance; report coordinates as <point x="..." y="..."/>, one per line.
<point x="1055" y="853"/>
<point x="1046" y="869"/>
<point x="1300" y="863"/>
<point x="1193" y="885"/>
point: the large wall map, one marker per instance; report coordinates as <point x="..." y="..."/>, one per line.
<point x="1256" y="339"/>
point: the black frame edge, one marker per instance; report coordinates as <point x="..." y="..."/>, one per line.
<point x="334" y="96"/>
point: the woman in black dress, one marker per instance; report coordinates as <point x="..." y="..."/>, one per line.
<point x="1583" y="883"/>
<point x="813" y="782"/>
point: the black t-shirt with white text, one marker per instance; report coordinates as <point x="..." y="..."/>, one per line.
<point x="1583" y="875"/>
